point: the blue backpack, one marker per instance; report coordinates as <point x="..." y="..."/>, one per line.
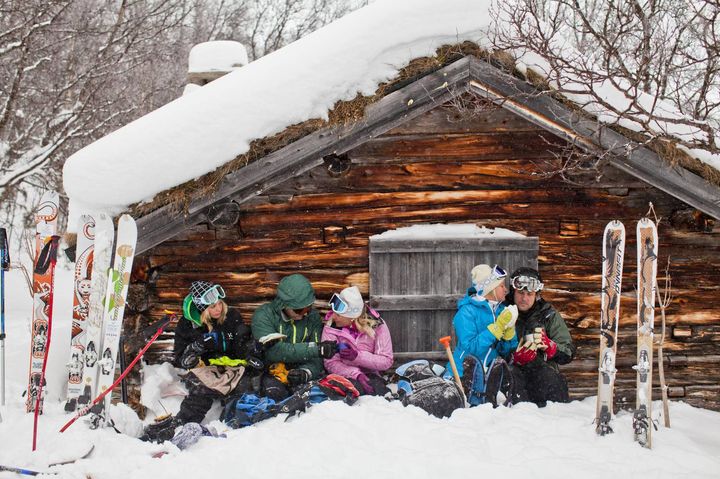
<point x="482" y="383"/>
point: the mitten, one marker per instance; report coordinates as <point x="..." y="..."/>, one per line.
<point x="365" y="384"/>
<point x="327" y="349"/>
<point x="298" y="376"/>
<point x="505" y="320"/>
<point x="347" y="352"/>
<point x="545" y="343"/>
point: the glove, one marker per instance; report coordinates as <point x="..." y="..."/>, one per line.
<point x="347" y="352"/>
<point x="191" y="356"/>
<point x="365" y="384"/>
<point x="327" y="349"/>
<point x="505" y="320"/>
<point x="543" y="342"/>
<point x="254" y="362"/>
<point x="525" y="355"/>
<point x="298" y="376"/>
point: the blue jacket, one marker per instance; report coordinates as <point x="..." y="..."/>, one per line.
<point x="471" y="322"/>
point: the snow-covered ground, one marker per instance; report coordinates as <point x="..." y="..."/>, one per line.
<point x="373" y="438"/>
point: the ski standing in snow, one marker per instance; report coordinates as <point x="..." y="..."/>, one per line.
<point x="102" y="251"/>
<point x="81" y="307"/>
<point x="118" y="282"/>
<point x="45" y="227"/>
<point x="612" y="265"/>
<point x="647" y="249"/>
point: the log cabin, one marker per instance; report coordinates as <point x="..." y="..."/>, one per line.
<point x="488" y="149"/>
<point x="459" y="138"/>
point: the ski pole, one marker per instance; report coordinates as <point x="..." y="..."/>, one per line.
<point x="26" y="472"/>
<point x="82" y="412"/>
<point x="52" y="244"/>
<point x="4" y="266"/>
<point x="445" y="341"/>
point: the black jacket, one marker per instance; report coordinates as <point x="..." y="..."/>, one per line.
<point x="543" y="315"/>
<point x="239" y="347"/>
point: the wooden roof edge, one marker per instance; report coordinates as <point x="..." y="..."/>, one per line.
<point x="415" y="99"/>
<point x="306" y="153"/>
<point x="627" y="155"/>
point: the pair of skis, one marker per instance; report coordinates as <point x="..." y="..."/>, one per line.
<point x="100" y="292"/>
<point x="104" y="311"/>
<point x="613" y="253"/>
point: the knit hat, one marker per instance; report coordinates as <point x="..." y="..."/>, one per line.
<point x="354" y="300"/>
<point x="485" y="279"/>
<point x="295" y="292"/>
<point x="197" y="289"/>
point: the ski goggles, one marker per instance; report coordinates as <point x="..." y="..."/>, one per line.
<point x="527" y="283"/>
<point x="212" y="295"/>
<point x="496" y="273"/>
<point x="338" y="305"/>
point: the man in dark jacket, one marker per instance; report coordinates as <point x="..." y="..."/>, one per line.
<point x="292" y="318"/>
<point x="544" y="342"/>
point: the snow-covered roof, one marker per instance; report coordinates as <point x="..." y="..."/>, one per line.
<point x="197" y="133"/>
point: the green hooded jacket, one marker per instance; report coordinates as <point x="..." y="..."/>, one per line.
<point x="299" y="349"/>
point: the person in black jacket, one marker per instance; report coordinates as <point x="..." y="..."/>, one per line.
<point x="217" y="348"/>
<point x="544" y="342"/>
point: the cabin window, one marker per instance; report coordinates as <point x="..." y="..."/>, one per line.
<point x="418" y="273"/>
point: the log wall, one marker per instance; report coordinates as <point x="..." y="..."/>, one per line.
<point x="489" y="168"/>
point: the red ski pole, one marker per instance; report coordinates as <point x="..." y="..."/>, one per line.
<point x="86" y="409"/>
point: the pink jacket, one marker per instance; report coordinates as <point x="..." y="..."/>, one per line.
<point x="374" y="355"/>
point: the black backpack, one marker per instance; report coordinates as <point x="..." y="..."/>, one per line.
<point x="419" y="386"/>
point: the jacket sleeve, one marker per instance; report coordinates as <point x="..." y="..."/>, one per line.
<point x="336" y="364"/>
<point x="558" y="331"/>
<point x="472" y="332"/>
<point x="184" y="335"/>
<point x="382" y="358"/>
<point x="299" y="354"/>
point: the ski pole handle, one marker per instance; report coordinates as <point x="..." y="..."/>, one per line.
<point x="102" y="395"/>
<point x="445" y="341"/>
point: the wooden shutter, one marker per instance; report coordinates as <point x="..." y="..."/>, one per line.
<point x="415" y="283"/>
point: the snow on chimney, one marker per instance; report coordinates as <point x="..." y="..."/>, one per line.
<point x="209" y="61"/>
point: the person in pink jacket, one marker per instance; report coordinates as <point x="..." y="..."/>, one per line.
<point x="364" y="344"/>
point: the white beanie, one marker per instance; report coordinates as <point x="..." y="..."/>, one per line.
<point x="354" y="300"/>
<point x="481" y="279"/>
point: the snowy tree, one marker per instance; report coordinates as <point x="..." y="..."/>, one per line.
<point x="71" y="71"/>
<point x="665" y="49"/>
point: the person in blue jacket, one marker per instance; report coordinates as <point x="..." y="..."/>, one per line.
<point x="484" y="327"/>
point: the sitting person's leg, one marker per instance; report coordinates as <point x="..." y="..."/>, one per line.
<point x="547" y="384"/>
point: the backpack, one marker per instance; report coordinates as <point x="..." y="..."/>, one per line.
<point x="483" y="384"/>
<point x="420" y="386"/>
<point x="249" y="409"/>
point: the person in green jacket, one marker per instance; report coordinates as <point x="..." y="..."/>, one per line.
<point x="544" y="342"/>
<point x="295" y="325"/>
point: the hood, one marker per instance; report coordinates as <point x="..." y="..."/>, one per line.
<point x="471" y="299"/>
<point x="295" y="292"/>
